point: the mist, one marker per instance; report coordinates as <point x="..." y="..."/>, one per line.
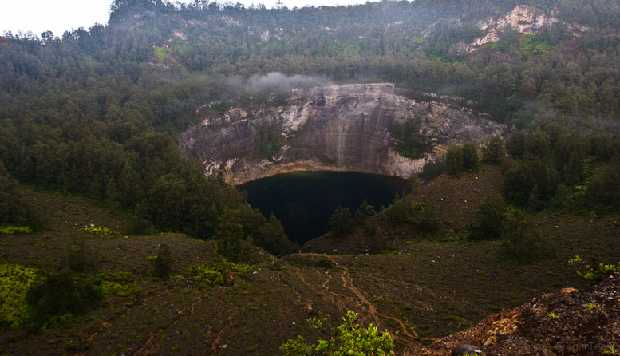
<point x="275" y="82"/>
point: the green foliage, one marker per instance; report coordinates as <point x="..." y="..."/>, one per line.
<point x="520" y="242"/>
<point x="494" y="152"/>
<point x="118" y="284"/>
<point x="530" y="184"/>
<point x="15" y="230"/>
<point x="162" y="263"/>
<point x="421" y="216"/>
<point x="341" y="221"/>
<point x="410" y="142"/>
<point x="434" y="169"/>
<point x="58" y="297"/>
<point x="15" y="282"/>
<point x="488" y="222"/>
<point x="160" y="53"/>
<point x="471" y="161"/>
<point x="455" y="160"/>
<point x="271" y="237"/>
<point x="594" y="271"/>
<point x="97" y="230"/>
<point x="15" y="216"/>
<point x="269" y="140"/>
<point x="350" y="338"/>
<point x="534" y="45"/>
<point x="461" y="159"/>
<point x="218" y="274"/>
<point x="603" y="190"/>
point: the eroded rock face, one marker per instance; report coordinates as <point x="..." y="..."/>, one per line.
<point x="337" y="128"/>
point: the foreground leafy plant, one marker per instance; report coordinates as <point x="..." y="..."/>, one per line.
<point x="350" y="338"/>
<point x="595" y="271"/>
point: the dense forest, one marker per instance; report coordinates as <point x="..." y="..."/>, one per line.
<point x="97" y="111"/>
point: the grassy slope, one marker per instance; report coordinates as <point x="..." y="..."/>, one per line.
<point x="429" y="287"/>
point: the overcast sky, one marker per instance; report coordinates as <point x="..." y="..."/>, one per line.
<point x="60" y="15"/>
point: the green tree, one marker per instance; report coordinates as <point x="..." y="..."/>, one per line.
<point x="341" y="221"/>
<point x="455" y="160"/>
<point x="471" y="161"/>
<point x="488" y="222"/>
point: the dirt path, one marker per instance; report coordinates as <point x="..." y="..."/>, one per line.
<point x="407" y="334"/>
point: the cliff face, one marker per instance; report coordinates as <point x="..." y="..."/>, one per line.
<point x="337" y="127"/>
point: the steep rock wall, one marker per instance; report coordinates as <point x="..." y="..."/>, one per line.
<point x="337" y="127"/>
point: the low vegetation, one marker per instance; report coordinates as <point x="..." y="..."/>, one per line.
<point x="349" y="338"/>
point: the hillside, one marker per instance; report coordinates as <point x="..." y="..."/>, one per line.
<point x="417" y="290"/>
<point x="492" y="128"/>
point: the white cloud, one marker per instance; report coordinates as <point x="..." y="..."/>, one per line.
<point x="60" y="15"/>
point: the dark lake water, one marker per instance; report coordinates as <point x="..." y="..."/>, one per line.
<point x="304" y="201"/>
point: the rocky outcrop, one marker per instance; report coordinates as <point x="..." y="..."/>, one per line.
<point x="570" y="322"/>
<point x="336" y="127"/>
<point x="524" y="19"/>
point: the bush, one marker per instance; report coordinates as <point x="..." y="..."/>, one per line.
<point x="455" y="160"/>
<point x="406" y="211"/>
<point x="434" y="169"/>
<point x="341" y="221"/>
<point x="218" y="274"/>
<point x="97" y="230"/>
<point x="494" y="152"/>
<point x="15" y="215"/>
<point x="604" y="187"/>
<point x="162" y="264"/>
<point x="271" y="237"/>
<point x="350" y="338"/>
<point x="471" y="161"/>
<point x="520" y="242"/>
<point x="62" y="295"/>
<point x="15" y="230"/>
<point x="530" y="184"/>
<point x="15" y="282"/>
<point x="488" y="223"/>
<point x="594" y="271"/>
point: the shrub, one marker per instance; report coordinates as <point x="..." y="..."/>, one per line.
<point x="530" y="184"/>
<point x="162" y="264"/>
<point x="406" y="211"/>
<point x="471" y="161"/>
<point x="341" y="221"/>
<point x="488" y="222"/>
<point x="594" y="271"/>
<point x="271" y="237"/>
<point x="119" y="284"/>
<point x="604" y="187"/>
<point x="455" y="160"/>
<point x="495" y="151"/>
<point x="97" y="230"/>
<point x="433" y="169"/>
<point x="15" y="281"/>
<point x="232" y="238"/>
<point x="15" y="230"/>
<point x="62" y="295"/>
<point x="520" y="242"/>
<point x="15" y="215"/>
<point x="218" y="274"/>
<point x="350" y="338"/>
